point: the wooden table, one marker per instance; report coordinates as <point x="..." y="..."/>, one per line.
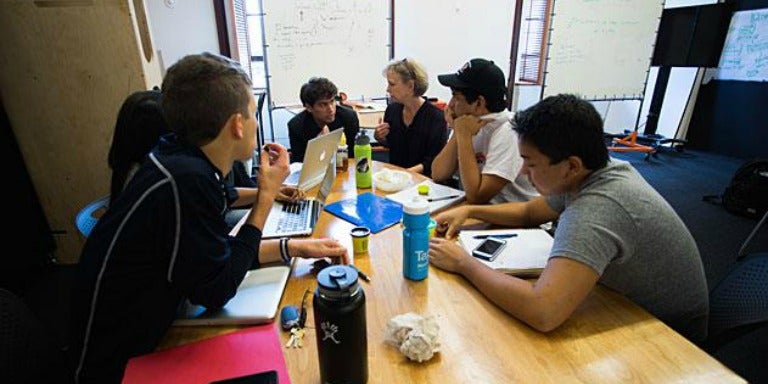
<point x="608" y="339"/>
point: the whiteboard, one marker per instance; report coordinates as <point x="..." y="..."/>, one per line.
<point x="601" y="49"/>
<point x="345" y="41"/>
<point x="745" y="52"/>
<point x="442" y="36"/>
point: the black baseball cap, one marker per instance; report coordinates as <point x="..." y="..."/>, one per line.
<point x="480" y="75"/>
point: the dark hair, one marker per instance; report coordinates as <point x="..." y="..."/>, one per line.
<point x="139" y="125"/>
<point x="564" y="125"/>
<point x="200" y="93"/>
<point x="493" y="103"/>
<point x="317" y="88"/>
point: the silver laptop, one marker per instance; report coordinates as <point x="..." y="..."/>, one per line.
<point x="320" y="151"/>
<point x="299" y="218"/>
<point x="255" y="302"/>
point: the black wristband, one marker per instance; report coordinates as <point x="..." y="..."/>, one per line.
<point x="284" y="250"/>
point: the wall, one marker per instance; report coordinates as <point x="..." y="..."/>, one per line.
<point x="443" y="35"/>
<point x="182" y="27"/>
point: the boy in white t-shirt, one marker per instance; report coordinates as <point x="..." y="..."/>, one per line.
<point x="483" y="148"/>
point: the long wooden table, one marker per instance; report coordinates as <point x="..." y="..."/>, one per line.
<point x="608" y="339"/>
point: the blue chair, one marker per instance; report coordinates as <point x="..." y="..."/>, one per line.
<point x="741" y="298"/>
<point x="87" y="218"/>
<point x="738" y="314"/>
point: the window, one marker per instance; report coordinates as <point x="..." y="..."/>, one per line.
<point x="533" y="33"/>
<point x="255" y="42"/>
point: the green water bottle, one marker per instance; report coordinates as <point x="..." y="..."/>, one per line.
<point x="363" y="160"/>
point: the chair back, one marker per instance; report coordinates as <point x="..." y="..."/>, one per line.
<point x="87" y="218"/>
<point x="741" y="298"/>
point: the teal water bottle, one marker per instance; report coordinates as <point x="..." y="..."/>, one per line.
<point x="416" y="238"/>
<point x="363" y="160"/>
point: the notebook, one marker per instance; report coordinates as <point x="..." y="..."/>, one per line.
<point x="255" y="302"/>
<point x="368" y="210"/>
<point x="320" y="152"/>
<point x="525" y="254"/>
<point x="252" y="351"/>
<point x="439" y="196"/>
<point x="299" y="218"/>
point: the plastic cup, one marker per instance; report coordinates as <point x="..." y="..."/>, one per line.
<point x="360" y="239"/>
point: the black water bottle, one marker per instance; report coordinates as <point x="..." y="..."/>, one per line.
<point x="342" y="342"/>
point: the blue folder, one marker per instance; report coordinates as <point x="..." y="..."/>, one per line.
<point x="368" y="210"/>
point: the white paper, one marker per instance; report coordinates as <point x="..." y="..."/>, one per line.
<point x="435" y="191"/>
<point x="526" y="252"/>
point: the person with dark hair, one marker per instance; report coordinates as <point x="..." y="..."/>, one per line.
<point x="321" y="115"/>
<point x="413" y="129"/>
<point x="164" y="240"/>
<point x="483" y="148"/>
<point x="139" y="125"/>
<point x="612" y="229"/>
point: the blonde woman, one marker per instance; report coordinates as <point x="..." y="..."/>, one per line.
<point x="413" y="129"/>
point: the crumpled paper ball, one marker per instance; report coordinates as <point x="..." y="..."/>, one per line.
<point x="416" y="336"/>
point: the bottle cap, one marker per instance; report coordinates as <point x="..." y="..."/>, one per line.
<point x="337" y="282"/>
<point x="343" y="140"/>
<point x="416" y="206"/>
<point x="423" y="190"/>
<point x="362" y="138"/>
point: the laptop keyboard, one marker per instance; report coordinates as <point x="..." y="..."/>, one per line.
<point x="294" y="216"/>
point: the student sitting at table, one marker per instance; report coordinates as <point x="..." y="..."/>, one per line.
<point x="320" y="116"/>
<point x="483" y="148"/>
<point x="164" y="239"/>
<point x="613" y="228"/>
<point x="414" y="129"/>
<point x="139" y="125"/>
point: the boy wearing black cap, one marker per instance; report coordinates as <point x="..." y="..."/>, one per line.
<point x="483" y="148"/>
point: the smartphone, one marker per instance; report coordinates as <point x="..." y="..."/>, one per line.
<point x="489" y="249"/>
<point x="266" y="377"/>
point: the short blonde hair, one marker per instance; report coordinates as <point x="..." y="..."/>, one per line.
<point x="409" y="69"/>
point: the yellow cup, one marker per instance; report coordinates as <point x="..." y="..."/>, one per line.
<point x="360" y="239"/>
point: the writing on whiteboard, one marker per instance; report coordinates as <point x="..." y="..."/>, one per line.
<point x="345" y="41"/>
<point x="745" y="52"/>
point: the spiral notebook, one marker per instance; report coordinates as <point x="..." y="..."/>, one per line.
<point x="368" y="210"/>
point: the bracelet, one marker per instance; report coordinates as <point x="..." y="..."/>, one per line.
<point x="284" y="250"/>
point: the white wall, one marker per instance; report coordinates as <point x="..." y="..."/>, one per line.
<point x="182" y="27"/>
<point x="443" y="35"/>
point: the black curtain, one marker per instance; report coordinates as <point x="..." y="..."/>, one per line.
<point x="731" y="117"/>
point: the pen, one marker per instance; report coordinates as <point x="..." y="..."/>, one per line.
<point x="498" y="236"/>
<point x="362" y="275"/>
<point x="442" y="198"/>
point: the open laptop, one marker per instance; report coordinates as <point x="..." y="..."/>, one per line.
<point x="299" y="218"/>
<point x="320" y="151"/>
<point x="255" y="302"/>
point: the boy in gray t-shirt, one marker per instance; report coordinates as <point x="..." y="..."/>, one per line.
<point x="613" y="229"/>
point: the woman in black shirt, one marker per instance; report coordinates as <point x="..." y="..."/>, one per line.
<point x="413" y="129"/>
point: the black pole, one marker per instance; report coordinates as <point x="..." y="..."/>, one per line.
<point x="657" y="100"/>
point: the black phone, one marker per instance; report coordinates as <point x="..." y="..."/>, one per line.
<point x="266" y="377"/>
<point x="489" y="249"/>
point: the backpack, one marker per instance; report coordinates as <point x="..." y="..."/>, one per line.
<point x="747" y="193"/>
